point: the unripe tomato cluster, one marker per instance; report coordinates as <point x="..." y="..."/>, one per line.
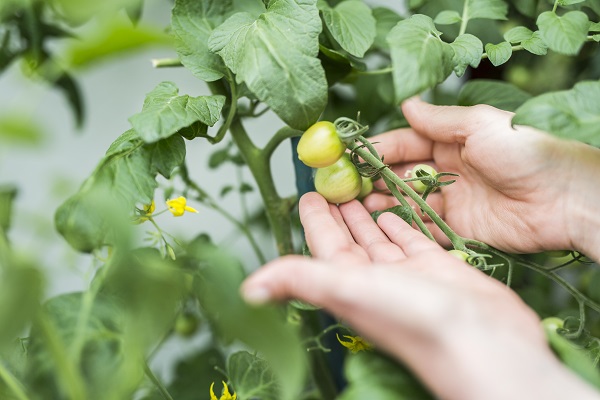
<point x="336" y="178"/>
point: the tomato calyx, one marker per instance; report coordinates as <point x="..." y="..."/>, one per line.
<point x="348" y="129"/>
<point x="425" y="179"/>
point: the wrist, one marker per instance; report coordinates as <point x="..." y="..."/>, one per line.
<point x="504" y="366"/>
<point x="583" y="225"/>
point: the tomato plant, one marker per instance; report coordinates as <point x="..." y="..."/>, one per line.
<point x="294" y="62"/>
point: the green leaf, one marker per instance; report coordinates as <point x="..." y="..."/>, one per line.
<point x="535" y="44"/>
<point x="192" y="23"/>
<point x="352" y="25"/>
<point x="112" y="39"/>
<point x="385" y="19"/>
<point x="264" y="329"/>
<point x="594" y="27"/>
<point x="467" y="51"/>
<point x="447" y="17"/>
<point x="565" y="34"/>
<point x="498" y="53"/>
<point x="71" y="91"/>
<point x="569" y="2"/>
<point x="101" y="353"/>
<point x="570" y="114"/>
<point x="596" y="38"/>
<point x="194" y="375"/>
<point x="148" y="288"/>
<point x="487" y="9"/>
<point x="420" y="59"/>
<point x="252" y="377"/>
<point x="376" y="377"/>
<point x="20" y="128"/>
<point x="218" y="157"/>
<point x="276" y="56"/>
<point x="518" y="34"/>
<point x="502" y="95"/>
<point x="7" y="196"/>
<point x="123" y="178"/>
<point x="21" y="289"/>
<point x="403" y="212"/>
<point x="527" y="7"/>
<point x="164" y="112"/>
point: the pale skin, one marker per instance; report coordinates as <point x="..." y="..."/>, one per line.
<point x="465" y="335"/>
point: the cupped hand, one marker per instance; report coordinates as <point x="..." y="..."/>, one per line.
<point x="445" y="319"/>
<point x="516" y="183"/>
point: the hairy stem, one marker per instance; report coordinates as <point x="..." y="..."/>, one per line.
<point x="464" y="18"/>
<point x="457" y="241"/>
<point x="13" y="383"/>
<point x="282" y="135"/>
<point x="207" y="200"/>
<point x="157" y="383"/>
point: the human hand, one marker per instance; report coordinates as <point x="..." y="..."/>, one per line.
<point x="520" y="190"/>
<point x="446" y="320"/>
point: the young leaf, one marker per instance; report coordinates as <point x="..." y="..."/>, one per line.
<point x="564" y="34"/>
<point x="192" y="23"/>
<point x="467" y="51"/>
<point x="518" y="34"/>
<point x="20" y="128"/>
<point x="351" y="24"/>
<point x="594" y="27"/>
<point x="420" y="59"/>
<point x="385" y="19"/>
<point x="571" y="114"/>
<point x="276" y="56"/>
<point x="502" y="95"/>
<point x="487" y="9"/>
<point x="498" y="53"/>
<point x="252" y="377"/>
<point x="447" y="17"/>
<point x="164" y="112"/>
<point x="535" y="44"/>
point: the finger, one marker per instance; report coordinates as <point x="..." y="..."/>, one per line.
<point x="410" y="240"/>
<point x="325" y="237"/>
<point x="380" y="201"/>
<point x="451" y="124"/>
<point x="403" y="145"/>
<point x="337" y="216"/>
<point x="297" y="277"/>
<point x="368" y="235"/>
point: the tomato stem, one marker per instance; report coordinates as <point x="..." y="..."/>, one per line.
<point x="13" y="383"/>
<point x="457" y="241"/>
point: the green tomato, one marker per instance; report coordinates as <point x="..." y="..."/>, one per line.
<point x="461" y="255"/>
<point x="551" y="324"/>
<point x="186" y="324"/>
<point x="340" y="182"/>
<point x="366" y="188"/>
<point x="320" y="145"/>
<point x="419" y="186"/>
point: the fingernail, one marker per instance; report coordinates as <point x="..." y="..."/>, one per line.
<point x="256" y="295"/>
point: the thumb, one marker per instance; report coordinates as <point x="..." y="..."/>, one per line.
<point x="452" y="124"/>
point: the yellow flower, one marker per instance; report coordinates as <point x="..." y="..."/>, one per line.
<point x="225" y="396"/>
<point x="144" y="213"/>
<point x="178" y="206"/>
<point x="149" y="208"/>
<point x="355" y="343"/>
